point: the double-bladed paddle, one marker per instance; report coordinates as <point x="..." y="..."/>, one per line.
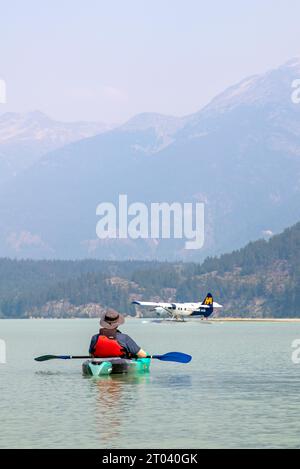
<point x="177" y="357"/>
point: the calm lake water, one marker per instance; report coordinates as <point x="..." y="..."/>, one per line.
<point x="241" y="389"/>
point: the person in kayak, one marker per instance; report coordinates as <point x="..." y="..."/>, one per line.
<point x="110" y="342"/>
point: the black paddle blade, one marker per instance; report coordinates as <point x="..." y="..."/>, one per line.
<point x="44" y="358"/>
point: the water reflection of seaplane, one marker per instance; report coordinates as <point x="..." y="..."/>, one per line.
<point x="181" y="311"/>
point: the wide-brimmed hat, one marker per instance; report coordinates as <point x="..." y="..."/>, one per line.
<point x="111" y="319"/>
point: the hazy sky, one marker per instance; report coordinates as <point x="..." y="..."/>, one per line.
<point x="107" y="60"/>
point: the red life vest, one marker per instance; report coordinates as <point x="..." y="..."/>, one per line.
<point x="108" y="347"/>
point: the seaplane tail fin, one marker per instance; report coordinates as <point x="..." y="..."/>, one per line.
<point x="208" y="302"/>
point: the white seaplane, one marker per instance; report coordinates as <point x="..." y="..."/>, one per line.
<point x="181" y="311"/>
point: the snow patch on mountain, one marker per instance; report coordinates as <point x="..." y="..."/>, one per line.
<point x="37" y="126"/>
<point x="26" y="137"/>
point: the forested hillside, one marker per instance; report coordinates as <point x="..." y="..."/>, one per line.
<point x="262" y="279"/>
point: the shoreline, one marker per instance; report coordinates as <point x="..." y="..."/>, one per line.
<point x="233" y="319"/>
<point x="219" y="319"/>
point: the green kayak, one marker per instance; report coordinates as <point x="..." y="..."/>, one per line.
<point x="108" y="366"/>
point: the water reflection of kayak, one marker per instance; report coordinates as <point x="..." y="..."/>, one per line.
<point x="108" y="366"/>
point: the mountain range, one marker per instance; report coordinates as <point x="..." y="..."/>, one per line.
<point x="240" y="155"/>
<point x="25" y="138"/>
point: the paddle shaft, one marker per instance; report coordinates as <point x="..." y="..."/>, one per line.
<point x="78" y="356"/>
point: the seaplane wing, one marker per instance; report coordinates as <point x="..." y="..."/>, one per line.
<point x="216" y="305"/>
<point x="150" y="304"/>
<point x="183" y="310"/>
